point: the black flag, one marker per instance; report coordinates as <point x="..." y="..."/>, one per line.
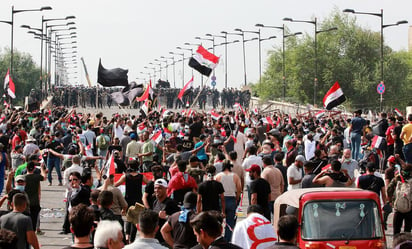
<point x="112" y="77"/>
<point x="128" y="94"/>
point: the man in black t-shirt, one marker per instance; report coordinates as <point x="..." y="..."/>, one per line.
<point x="196" y="128"/>
<point x="210" y="192"/>
<point x="371" y="182"/>
<point x="259" y="189"/>
<point x="163" y="205"/>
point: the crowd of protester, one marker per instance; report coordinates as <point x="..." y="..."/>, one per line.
<point x="168" y="97"/>
<point x="177" y="179"/>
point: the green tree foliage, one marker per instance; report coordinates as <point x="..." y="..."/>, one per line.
<point x="25" y="76"/>
<point x="349" y="55"/>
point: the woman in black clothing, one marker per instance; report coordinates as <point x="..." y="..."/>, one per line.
<point x="133" y="181"/>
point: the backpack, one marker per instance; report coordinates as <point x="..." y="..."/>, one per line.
<point x="403" y="196"/>
<point x="102" y="143"/>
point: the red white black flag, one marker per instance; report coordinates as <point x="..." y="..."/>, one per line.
<point x="203" y="61"/>
<point x="9" y="85"/>
<point x="188" y="85"/>
<point x="333" y="97"/>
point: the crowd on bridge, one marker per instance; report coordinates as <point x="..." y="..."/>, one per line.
<point x="168" y="97"/>
<point x="178" y="179"/>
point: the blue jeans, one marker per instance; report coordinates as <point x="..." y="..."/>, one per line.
<point x="230" y="210"/>
<point x="103" y="154"/>
<point x="355" y="139"/>
<point x="407" y="152"/>
<point x="53" y="162"/>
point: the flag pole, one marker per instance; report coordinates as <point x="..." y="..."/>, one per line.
<point x="202" y="87"/>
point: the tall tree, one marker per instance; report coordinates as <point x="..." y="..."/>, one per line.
<point x="350" y="55"/>
<point x="25" y="73"/>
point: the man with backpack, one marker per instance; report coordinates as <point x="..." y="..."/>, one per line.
<point x="103" y="142"/>
<point x="400" y="197"/>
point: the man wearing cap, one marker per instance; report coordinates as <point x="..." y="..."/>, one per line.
<point x="248" y="162"/>
<point x="30" y="147"/>
<point x="259" y="189"/>
<point x="295" y="173"/>
<point x="163" y="205"/>
<point x="177" y="231"/>
<point x="348" y="163"/>
<point x="133" y="148"/>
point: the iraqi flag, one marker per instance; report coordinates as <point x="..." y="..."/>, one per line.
<point x="145" y="107"/>
<point x="203" y="61"/>
<point x="147" y="92"/>
<point x="320" y="114"/>
<point x="397" y="112"/>
<point x="110" y="166"/>
<point x="188" y="85"/>
<point x="215" y="115"/>
<point x="157" y="137"/>
<point x="267" y="120"/>
<point x="378" y="142"/>
<point x="333" y="97"/>
<point x="9" y="85"/>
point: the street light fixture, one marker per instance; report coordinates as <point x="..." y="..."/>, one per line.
<point x="183" y="66"/>
<point x="14" y="11"/>
<point x="173" y="63"/>
<point x="283" y="28"/>
<point x="380" y="15"/>
<point x="154" y="72"/>
<point x="316" y="49"/>
<point x="243" y="47"/>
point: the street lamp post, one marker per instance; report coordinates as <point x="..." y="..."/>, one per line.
<point x="14" y="11"/>
<point x="243" y="47"/>
<point x="154" y="72"/>
<point x="160" y="68"/>
<point x="191" y="52"/>
<point x="166" y="66"/>
<point x="260" y="55"/>
<point x="225" y="43"/>
<point x="174" y="75"/>
<point x="380" y="15"/>
<point x="183" y="66"/>
<point x="283" y="51"/>
<point x="315" y="23"/>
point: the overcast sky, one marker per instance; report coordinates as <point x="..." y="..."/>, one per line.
<point x="132" y="33"/>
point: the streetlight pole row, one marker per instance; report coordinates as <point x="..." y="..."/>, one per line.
<point x="380" y="15"/>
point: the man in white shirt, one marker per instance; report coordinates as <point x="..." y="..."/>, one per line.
<point x="310" y="147"/>
<point x="261" y="236"/>
<point x="295" y="173"/>
<point x="349" y="164"/>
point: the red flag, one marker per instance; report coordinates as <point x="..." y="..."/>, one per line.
<point x="157" y="137"/>
<point x="112" y="168"/>
<point x="277" y="122"/>
<point x="188" y="85"/>
<point x="215" y="115"/>
<point x="333" y="97"/>
<point x="146" y="93"/>
<point x="9" y="85"/>
<point x="269" y="120"/>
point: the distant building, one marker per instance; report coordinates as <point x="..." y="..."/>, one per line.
<point x="410" y="39"/>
